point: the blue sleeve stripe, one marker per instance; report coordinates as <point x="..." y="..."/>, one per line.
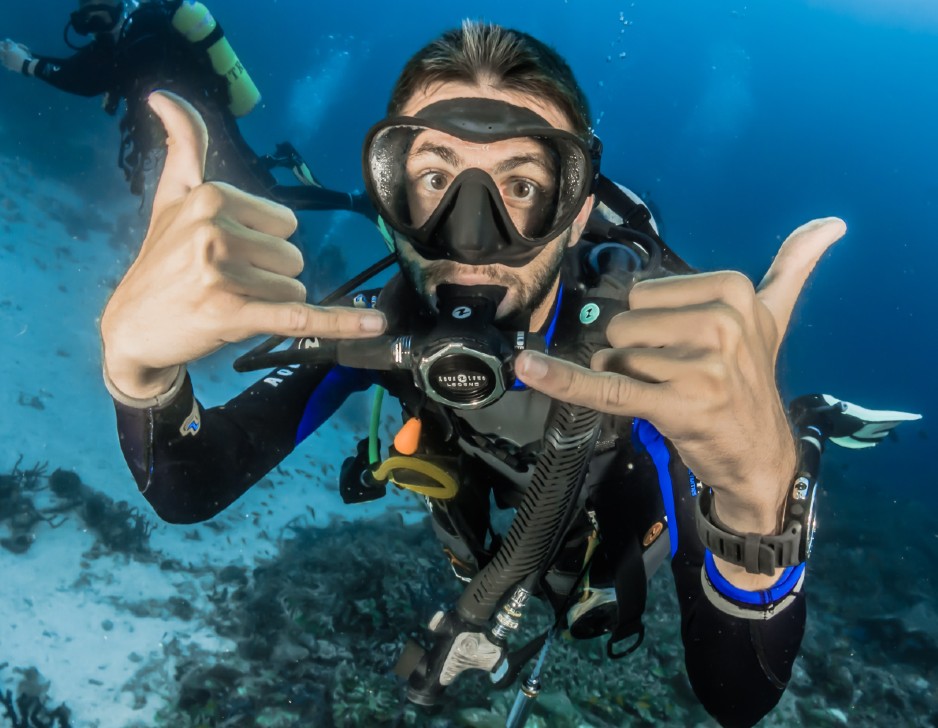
<point x="654" y="444"/>
<point x="762" y="597"/>
<point x="332" y="391"/>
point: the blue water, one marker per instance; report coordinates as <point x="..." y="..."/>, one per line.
<point x="739" y="121"/>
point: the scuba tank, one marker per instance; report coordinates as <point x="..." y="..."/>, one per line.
<point x="196" y="24"/>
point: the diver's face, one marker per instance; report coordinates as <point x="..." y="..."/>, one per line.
<point x="523" y="171"/>
<point x="101" y="15"/>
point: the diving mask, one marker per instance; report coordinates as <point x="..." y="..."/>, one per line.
<point x="96" y="18"/>
<point x="478" y="180"/>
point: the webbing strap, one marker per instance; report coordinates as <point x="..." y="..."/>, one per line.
<point x="631" y="593"/>
<point x="634" y="214"/>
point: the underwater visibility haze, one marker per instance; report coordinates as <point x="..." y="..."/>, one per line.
<point x="735" y="122"/>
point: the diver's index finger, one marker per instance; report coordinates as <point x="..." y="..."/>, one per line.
<point x="301" y="319"/>
<point x="565" y="381"/>
<point x="347" y="322"/>
<point x="186" y="148"/>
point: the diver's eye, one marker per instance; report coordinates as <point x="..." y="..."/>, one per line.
<point x="434" y="181"/>
<point x="522" y="190"/>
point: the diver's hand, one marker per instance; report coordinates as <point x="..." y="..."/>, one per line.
<point x="215" y="267"/>
<point x="695" y="355"/>
<point x="12" y="55"/>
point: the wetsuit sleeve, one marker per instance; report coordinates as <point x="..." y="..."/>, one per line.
<point x="739" y="646"/>
<point x="190" y="462"/>
<point x="90" y="72"/>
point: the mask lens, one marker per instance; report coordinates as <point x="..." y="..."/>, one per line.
<point x="385" y="164"/>
<point x="539" y="179"/>
<point x="97" y="18"/>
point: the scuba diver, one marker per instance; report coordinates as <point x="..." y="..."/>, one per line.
<point x="174" y="45"/>
<point x="551" y="354"/>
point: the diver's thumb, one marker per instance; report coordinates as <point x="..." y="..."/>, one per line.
<point x="782" y="285"/>
<point x="186" y="147"/>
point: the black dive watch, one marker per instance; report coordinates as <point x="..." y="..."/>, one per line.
<point x="757" y="553"/>
<point x="761" y="554"/>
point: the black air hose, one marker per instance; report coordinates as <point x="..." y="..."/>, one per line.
<point x="546" y="508"/>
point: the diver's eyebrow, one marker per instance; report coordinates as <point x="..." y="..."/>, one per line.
<point x="443" y="152"/>
<point x="520" y="160"/>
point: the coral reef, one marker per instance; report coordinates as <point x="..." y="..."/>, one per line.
<point x="118" y="527"/>
<point x="30" y="709"/>
<point x="320" y="627"/>
<point x="310" y="635"/>
<point x="18" y="509"/>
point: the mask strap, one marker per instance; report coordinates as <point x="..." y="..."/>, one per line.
<point x="386" y="234"/>
<point x="596" y="155"/>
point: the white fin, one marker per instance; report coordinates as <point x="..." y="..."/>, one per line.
<point x="874" y="425"/>
<point x="868" y="415"/>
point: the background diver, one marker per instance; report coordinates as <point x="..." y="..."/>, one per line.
<point x="550" y="353"/>
<point x="175" y="45"/>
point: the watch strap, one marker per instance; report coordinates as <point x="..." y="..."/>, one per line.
<point x="757" y="553"/>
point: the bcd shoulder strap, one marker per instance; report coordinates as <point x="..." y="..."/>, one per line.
<point x="636" y="230"/>
<point x="634" y="214"/>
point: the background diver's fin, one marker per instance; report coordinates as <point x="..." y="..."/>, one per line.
<point x="846" y="424"/>
<point x="286" y="155"/>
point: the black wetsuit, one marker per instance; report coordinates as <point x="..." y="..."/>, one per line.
<point x="739" y="646"/>
<point x="150" y="54"/>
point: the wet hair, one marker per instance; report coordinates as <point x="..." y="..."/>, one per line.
<point x="508" y="59"/>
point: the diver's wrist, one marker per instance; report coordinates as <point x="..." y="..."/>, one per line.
<point x="747" y="516"/>
<point x="29" y="66"/>
<point x="758" y="504"/>
<point x="751" y="518"/>
<point x="142" y="387"/>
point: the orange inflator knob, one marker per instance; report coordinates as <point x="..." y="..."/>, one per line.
<point x="408" y="437"/>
